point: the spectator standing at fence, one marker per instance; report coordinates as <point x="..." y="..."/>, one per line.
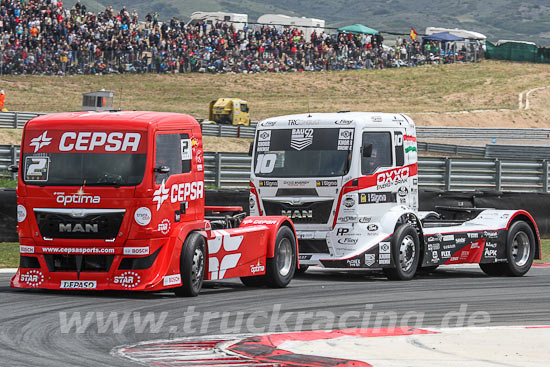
<point x="2" y="100"/>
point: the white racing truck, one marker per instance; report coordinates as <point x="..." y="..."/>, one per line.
<point x="349" y="182"/>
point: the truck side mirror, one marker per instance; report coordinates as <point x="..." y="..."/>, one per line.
<point x="367" y="150"/>
<point x="250" y="149"/>
<point x="162" y="169"/>
<point x="12" y="168"/>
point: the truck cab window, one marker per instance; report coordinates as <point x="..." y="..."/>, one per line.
<point x="169" y="154"/>
<point x="399" y="149"/>
<point x="381" y="154"/>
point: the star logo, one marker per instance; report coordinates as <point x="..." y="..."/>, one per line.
<point x="40" y="141"/>
<point x="160" y="195"/>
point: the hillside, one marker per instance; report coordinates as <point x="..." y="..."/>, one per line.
<point x="484" y="94"/>
<point x="498" y="19"/>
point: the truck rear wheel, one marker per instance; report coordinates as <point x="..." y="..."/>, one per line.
<point x="191" y="266"/>
<point x="281" y="268"/>
<point x="520" y="249"/>
<point x="405" y="250"/>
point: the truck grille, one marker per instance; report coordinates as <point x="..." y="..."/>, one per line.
<point x="79" y="224"/>
<point x="316" y="212"/>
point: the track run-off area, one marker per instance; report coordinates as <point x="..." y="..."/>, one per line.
<point x="53" y="328"/>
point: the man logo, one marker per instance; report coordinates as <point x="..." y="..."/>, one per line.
<point x="298" y="214"/>
<point x="78" y="228"/>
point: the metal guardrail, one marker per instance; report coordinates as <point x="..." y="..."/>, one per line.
<point x="16" y="119"/>
<point x="425" y="132"/>
<point x="450" y="174"/>
<point x="9" y="154"/>
<point x="451" y="149"/>
<point x="232" y="171"/>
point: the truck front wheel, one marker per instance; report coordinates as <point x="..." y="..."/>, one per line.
<point x="191" y="266"/>
<point x="405" y="253"/>
<point x="281" y="268"/>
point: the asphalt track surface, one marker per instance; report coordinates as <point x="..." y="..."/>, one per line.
<point x="31" y="332"/>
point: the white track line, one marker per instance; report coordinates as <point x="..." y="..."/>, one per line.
<point x="528" y="93"/>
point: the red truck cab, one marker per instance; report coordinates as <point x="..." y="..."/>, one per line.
<point x="115" y="200"/>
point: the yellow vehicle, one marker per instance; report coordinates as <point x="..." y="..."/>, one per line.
<point x="231" y="111"/>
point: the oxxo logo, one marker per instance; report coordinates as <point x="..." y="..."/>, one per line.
<point x="395" y="176"/>
<point x="229" y="260"/>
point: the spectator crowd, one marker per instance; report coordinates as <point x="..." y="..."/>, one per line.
<point x="44" y="37"/>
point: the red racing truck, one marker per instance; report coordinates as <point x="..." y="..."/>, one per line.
<point x="115" y="200"/>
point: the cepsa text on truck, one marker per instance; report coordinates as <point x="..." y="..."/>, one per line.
<point x="349" y="181"/>
<point x="115" y="200"/>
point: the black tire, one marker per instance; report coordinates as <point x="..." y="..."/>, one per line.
<point x="493" y="269"/>
<point x="302" y="269"/>
<point x="192" y="265"/>
<point x="405" y="250"/>
<point x="520" y="249"/>
<point x="280" y="269"/>
<point x="254" y="281"/>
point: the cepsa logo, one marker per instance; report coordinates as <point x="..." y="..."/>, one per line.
<point x="88" y="141"/>
<point x="178" y="192"/>
<point x="393" y="177"/>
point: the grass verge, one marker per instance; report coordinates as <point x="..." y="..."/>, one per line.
<point x="9" y="254"/>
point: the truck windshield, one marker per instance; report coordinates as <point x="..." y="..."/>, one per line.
<point x="303" y="152"/>
<point x="75" y="169"/>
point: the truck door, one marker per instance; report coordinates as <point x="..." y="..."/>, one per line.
<point x="178" y="192"/>
<point x="406" y="194"/>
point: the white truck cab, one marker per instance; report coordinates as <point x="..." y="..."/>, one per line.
<point x="349" y="182"/>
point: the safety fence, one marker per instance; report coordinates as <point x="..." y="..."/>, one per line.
<point x="17" y="119"/>
<point x="232" y="170"/>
